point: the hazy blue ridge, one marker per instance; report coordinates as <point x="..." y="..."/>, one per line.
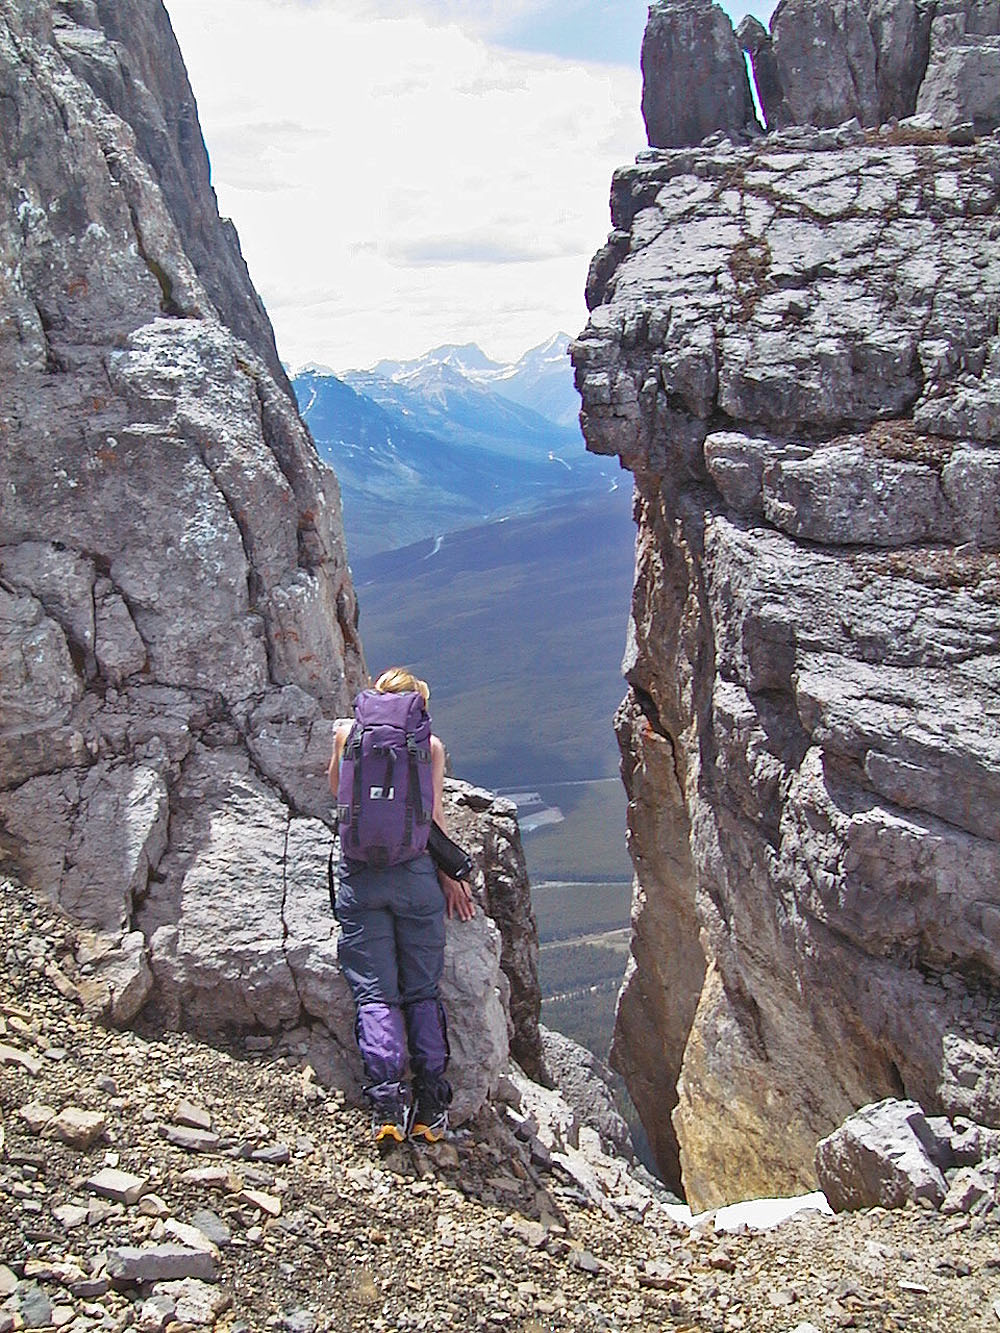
<point x="441" y="398"/>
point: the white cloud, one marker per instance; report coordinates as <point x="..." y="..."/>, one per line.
<point x="399" y="183"/>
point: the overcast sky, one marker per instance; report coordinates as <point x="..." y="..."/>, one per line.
<point x="405" y="173"/>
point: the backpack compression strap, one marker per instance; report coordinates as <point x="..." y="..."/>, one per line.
<point x="417" y="755"/>
<point x="352" y="750"/>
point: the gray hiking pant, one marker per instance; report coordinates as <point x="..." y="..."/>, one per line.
<point x="392" y="931"/>
<point x="392" y="953"/>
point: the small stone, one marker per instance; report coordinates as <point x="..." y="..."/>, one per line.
<point x="12" y="1055"/>
<point x="7" y="1281"/>
<point x="64" y="1271"/>
<point x="120" y="1186"/>
<point x="151" y="1205"/>
<point x="103" y="1083"/>
<point x="69" y="1215"/>
<point x="967" y="1189"/>
<point x="586" y="1262"/>
<point x="533" y="1234"/>
<point x="276" y="1154"/>
<point x="194" y="1117"/>
<point x="154" y="1313"/>
<point x="191" y="1140"/>
<point x="33" y="1306"/>
<point x="213" y="1177"/>
<point x="36" y="1115"/>
<point x="99" y="1210"/>
<point x="62" y="1315"/>
<point x="211" y="1226"/>
<point x="266" y="1203"/>
<point x="195" y="1302"/>
<point x="91" y="1288"/>
<point x="915" y="1288"/>
<point x="129" y="1265"/>
<point x="190" y="1236"/>
<point x="721" y="1260"/>
<point x="784" y="1296"/>
<point x="299" y="1321"/>
<point x="60" y="981"/>
<point x="78" y="1128"/>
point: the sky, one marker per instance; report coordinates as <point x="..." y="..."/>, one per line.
<point x="406" y="173"/>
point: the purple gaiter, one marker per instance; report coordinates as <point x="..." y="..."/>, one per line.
<point x="381" y="1034"/>
<point x="428" y="1034"/>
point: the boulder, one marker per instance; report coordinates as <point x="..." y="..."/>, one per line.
<point x="901" y="31"/>
<point x="116" y="983"/>
<point x="133" y="1265"/>
<point x="486" y="826"/>
<point x="825" y="61"/>
<point x="878" y="1158"/>
<point x="962" y="82"/>
<point x="694" y="75"/>
<point x="755" y="40"/>
<point x="971" y="1190"/>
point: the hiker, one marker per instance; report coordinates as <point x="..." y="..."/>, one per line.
<point x="387" y="772"/>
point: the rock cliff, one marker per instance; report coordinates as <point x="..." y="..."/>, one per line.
<point x="793" y="346"/>
<point x="821" y="63"/>
<point x="177" y="620"/>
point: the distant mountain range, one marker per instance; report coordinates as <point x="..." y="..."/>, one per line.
<point x="541" y="380"/>
<point x="449" y="440"/>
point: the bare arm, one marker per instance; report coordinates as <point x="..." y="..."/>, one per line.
<point x="341" y="731"/>
<point x="437" y="777"/>
<point x="457" y="896"/>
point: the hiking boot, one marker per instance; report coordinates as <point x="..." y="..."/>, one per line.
<point x="429" y="1123"/>
<point x="391" y="1124"/>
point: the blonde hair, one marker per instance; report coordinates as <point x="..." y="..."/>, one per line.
<point x="397" y="680"/>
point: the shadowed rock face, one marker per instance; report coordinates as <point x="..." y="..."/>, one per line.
<point x="823" y="62"/>
<point x="694" y="75"/>
<point x="177" y="621"/>
<point x="877" y="59"/>
<point x="794" y="348"/>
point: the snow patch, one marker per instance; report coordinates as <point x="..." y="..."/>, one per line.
<point x="753" y="1214"/>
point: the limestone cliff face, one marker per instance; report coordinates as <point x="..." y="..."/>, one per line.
<point x="793" y="346"/>
<point x="177" y="620"/>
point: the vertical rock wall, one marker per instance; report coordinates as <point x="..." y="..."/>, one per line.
<point x="174" y="580"/>
<point x="793" y="346"/>
<point x="826" y="61"/>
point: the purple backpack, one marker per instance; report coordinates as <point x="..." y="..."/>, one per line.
<point x="385" y="796"/>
